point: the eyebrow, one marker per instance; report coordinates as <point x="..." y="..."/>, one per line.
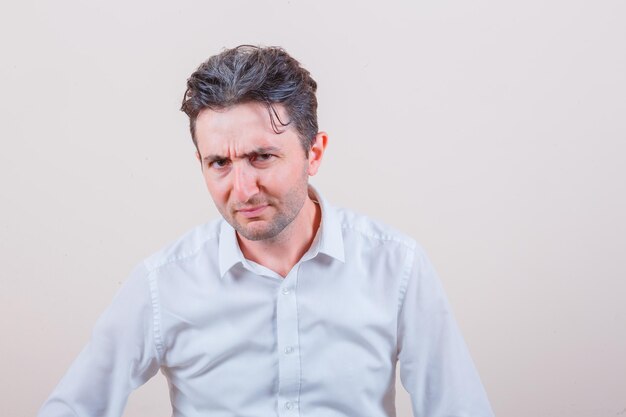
<point x="258" y="151"/>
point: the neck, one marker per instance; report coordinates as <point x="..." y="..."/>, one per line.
<point x="281" y="253"/>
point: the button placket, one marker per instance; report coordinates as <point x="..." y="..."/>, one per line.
<point x="287" y="338"/>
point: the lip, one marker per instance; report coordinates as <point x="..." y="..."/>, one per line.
<point x="252" y="212"/>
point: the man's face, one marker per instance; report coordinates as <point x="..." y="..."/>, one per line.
<point x="257" y="178"/>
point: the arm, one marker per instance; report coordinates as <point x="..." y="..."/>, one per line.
<point x="435" y="366"/>
<point x="120" y="357"/>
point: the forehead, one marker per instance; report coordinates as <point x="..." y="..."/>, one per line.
<point x="240" y="129"/>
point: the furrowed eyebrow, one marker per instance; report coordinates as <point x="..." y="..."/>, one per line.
<point x="212" y="158"/>
<point x="262" y="150"/>
<point x="258" y="151"/>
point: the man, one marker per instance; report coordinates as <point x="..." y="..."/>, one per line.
<point x="287" y="306"/>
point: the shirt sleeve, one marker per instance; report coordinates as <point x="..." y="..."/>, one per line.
<point x="120" y="356"/>
<point x="435" y="365"/>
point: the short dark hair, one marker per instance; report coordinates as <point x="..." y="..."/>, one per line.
<point x="247" y="73"/>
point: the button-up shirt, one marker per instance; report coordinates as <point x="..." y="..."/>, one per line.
<point x="235" y="339"/>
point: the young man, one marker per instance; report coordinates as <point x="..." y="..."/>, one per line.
<point x="286" y="306"/>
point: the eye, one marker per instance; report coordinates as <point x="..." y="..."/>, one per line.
<point x="219" y="163"/>
<point x="262" y="158"/>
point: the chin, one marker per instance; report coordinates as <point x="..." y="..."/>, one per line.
<point x="258" y="233"/>
<point x="255" y="236"/>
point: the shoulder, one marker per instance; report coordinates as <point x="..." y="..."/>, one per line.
<point x="375" y="249"/>
<point x="197" y="241"/>
<point x="361" y="227"/>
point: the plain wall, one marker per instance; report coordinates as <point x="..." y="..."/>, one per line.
<point x="493" y="132"/>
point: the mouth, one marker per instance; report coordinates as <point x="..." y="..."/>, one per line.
<point x="252" y="212"/>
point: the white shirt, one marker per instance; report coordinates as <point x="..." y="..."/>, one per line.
<point x="235" y="339"/>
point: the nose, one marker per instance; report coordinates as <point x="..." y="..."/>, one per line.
<point x="245" y="182"/>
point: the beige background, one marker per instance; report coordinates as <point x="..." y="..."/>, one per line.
<point x="493" y="132"/>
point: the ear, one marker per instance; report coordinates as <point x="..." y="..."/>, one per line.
<point x="317" y="152"/>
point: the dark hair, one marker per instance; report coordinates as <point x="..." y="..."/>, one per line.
<point x="249" y="73"/>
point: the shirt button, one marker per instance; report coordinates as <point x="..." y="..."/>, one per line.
<point x="289" y="405"/>
<point x="288" y="350"/>
<point x="286" y="290"/>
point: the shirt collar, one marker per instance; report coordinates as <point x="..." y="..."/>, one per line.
<point x="330" y="236"/>
<point x="228" y="248"/>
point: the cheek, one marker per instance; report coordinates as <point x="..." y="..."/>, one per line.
<point x="283" y="176"/>
<point x="275" y="182"/>
<point x="218" y="190"/>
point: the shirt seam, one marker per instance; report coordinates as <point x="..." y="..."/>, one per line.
<point x="404" y="284"/>
<point x="156" y="316"/>
<point x="385" y="238"/>
<point x="177" y="258"/>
